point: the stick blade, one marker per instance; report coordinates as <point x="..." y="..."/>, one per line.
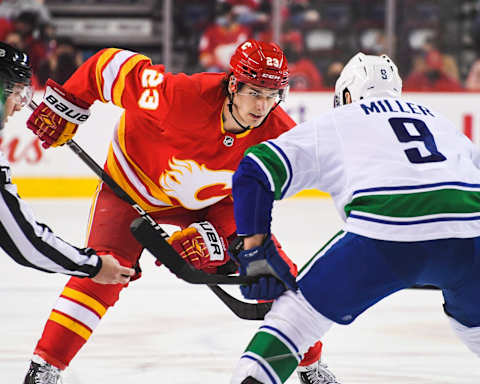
<point x="246" y="311"/>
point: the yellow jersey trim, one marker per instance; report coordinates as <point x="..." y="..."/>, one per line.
<point x="84" y="299"/>
<point x="70" y="324"/>
<point x="154" y="189"/>
<point x="224" y="132"/>
<point x="104" y="57"/>
<point x="124" y="71"/>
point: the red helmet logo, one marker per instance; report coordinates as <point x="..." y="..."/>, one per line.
<point x="259" y="63"/>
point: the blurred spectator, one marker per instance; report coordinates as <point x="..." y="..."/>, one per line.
<point x="252" y="4"/>
<point x="221" y="38"/>
<point x="447" y="62"/>
<point x="26" y="24"/>
<point x="190" y="19"/>
<point x="302" y="13"/>
<point x="47" y="34"/>
<point x="373" y="41"/>
<point x="473" y="79"/>
<point x="430" y="72"/>
<point x="251" y="13"/>
<point x="333" y="73"/>
<point x="303" y="74"/>
<point x="6" y="26"/>
<point x="15" y="39"/>
<point x="61" y="63"/>
<point x="10" y="9"/>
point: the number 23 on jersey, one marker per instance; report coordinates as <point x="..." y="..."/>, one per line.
<point x="149" y="99"/>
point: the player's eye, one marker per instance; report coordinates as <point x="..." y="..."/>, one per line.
<point x="273" y="96"/>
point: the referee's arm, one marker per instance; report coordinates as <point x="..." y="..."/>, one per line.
<point x="33" y="244"/>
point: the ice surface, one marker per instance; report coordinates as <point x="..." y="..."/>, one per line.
<point x="166" y="331"/>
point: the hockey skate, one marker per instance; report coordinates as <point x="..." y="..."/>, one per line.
<point x="40" y="372"/>
<point x="316" y="373"/>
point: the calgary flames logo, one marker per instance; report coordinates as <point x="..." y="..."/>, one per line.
<point x="194" y="185"/>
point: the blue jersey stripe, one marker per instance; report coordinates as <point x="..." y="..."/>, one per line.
<point x="412" y="222"/>
<point x="276" y="330"/>
<point x="270" y="376"/>
<point x="415" y="187"/>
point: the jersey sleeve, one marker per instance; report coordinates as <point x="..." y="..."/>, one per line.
<point x="273" y="170"/>
<point x="290" y="162"/>
<point x="125" y="78"/>
<point x="252" y="197"/>
<point x="33" y="244"/>
<point x="279" y="168"/>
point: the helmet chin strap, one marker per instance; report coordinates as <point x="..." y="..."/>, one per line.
<point x="247" y="127"/>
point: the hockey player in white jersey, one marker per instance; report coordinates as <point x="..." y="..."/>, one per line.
<point x="28" y="242"/>
<point x="406" y="183"/>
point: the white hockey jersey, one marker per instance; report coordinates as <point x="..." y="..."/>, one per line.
<point x="395" y="169"/>
<point x="33" y="244"/>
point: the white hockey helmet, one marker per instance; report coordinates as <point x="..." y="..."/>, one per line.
<point x="368" y="75"/>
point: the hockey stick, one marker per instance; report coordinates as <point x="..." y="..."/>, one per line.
<point x="146" y="229"/>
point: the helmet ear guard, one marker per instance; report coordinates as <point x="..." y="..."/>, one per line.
<point x="233" y="84"/>
<point x="365" y="76"/>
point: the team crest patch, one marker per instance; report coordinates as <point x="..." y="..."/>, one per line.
<point x="228" y="141"/>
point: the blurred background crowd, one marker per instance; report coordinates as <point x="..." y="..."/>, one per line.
<point x="435" y="43"/>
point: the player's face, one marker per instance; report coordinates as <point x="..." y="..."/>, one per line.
<point x="15" y="101"/>
<point x="254" y="103"/>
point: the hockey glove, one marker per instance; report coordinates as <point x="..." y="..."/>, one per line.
<point x="267" y="288"/>
<point x="266" y="261"/>
<point x="200" y="245"/>
<point x="56" y="119"/>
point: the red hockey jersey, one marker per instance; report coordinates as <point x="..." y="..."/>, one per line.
<point x="169" y="148"/>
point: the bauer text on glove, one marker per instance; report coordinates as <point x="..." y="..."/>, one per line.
<point x="56" y="119"/>
<point x="201" y="245"/>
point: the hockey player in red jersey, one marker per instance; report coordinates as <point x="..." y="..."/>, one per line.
<point x="174" y="151"/>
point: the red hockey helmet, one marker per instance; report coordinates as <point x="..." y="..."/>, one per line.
<point x="259" y="63"/>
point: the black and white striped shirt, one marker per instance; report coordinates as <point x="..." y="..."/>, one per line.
<point x="33" y="244"/>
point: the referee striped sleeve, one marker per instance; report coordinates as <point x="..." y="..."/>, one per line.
<point x="34" y="245"/>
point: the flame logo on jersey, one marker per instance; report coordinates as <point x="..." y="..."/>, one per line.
<point x="194" y="185"/>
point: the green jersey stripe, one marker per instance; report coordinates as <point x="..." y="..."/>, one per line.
<point x="413" y="205"/>
<point x="284" y="164"/>
<point x="272" y="164"/>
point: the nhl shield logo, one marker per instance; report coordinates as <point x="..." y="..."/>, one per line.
<point x="228" y="141"/>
